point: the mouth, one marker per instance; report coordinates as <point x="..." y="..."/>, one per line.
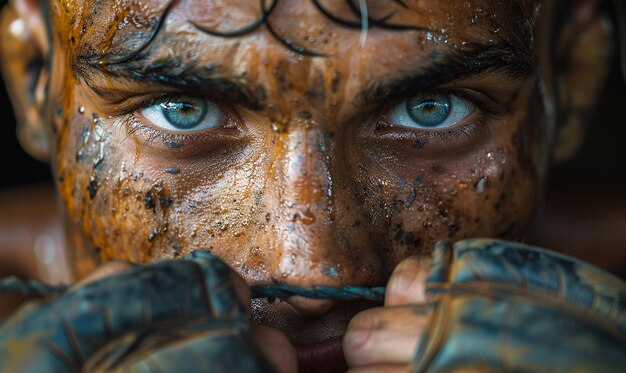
<point x="316" y="337"/>
<point x="321" y="357"/>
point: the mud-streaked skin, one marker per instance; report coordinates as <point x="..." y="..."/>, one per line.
<point x="305" y="181"/>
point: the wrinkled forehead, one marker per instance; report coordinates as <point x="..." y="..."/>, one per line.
<point x="319" y="26"/>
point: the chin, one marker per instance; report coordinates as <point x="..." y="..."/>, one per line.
<point x="317" y="336"/>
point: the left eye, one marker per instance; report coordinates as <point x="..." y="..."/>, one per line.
<point x="184" y="114"/>
<point x="430" y="111"/>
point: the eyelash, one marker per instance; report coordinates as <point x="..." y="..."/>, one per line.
<point x="133" y="124"/>
<point x="479" y="126"/>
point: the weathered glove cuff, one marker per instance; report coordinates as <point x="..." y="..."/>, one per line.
<point x="498" y="306"/>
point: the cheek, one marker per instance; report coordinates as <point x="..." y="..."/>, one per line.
<point x="120" y="210"/>
<point x="128" y="200"/>
<point x="489" y="193"/>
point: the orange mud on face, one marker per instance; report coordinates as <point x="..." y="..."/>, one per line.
<point x="305" y="181"/>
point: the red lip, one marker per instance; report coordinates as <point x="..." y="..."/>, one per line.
<point x="321" y="357"/>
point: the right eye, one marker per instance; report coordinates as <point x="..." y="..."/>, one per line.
<point x="431" y="111"/>
<point x="185" y="114"/>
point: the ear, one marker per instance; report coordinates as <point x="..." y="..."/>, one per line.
<point x="23" y="48"/>
<point x="583" y="55"/>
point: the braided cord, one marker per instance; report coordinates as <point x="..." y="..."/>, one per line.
<point x="30" y="287"/>
<point x="33" y="287"/>
<point x="319" y="292"/>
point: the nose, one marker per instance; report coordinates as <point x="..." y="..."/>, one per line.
<point x="314" y="237"/>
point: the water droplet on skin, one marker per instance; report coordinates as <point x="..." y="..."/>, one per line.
<point x="17" y="27"/>
<point x="480" y="185"/>
<point x="153" y="235"/>
<point x="304" y="215"/>
<point x="81" y="109"/>
<point x="172" y="170"/>
<point x="490" y="156"/>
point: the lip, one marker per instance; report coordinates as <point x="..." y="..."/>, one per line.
<point x="316" y="338"/>
<point x="307" y="330"/>
<point x="321" y="357"/>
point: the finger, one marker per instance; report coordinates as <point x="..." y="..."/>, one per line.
<point x="407" y="284"/>
<point x="242" y="290"/>
<point x="106" y="270"/>
<point x="389" y="368"/>
<point x="277" y="348"/>
<point x="387" y="335"/>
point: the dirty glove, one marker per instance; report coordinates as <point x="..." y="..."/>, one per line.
<point x="179" y="315"/>
<point x="504" y="307"/>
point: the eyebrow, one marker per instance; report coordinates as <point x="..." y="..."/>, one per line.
<point x="473" y="60"/>
<point x="197" y="79"/>
<point x="447" y="65"/>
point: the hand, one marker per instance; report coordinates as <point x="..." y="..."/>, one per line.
<point x="385" y="339"/>
<point x="146" y="318"/>
<point x="494" y="306"/>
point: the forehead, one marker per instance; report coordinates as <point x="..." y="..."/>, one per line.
<point x="106" y="26"/>
<point x="264" y="47"/>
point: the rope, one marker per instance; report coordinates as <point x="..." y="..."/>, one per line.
<point x="30" y="287"/>
<point x="33" y="287"/>
<point x="319" y="292"/>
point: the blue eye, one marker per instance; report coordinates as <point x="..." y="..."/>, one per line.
<point x="430" y="111"/>
<point x="184" y="114"/>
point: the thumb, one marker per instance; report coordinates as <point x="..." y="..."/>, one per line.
<point x="277" y="348"/>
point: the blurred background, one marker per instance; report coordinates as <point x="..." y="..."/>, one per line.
<point x="585" y="211"/>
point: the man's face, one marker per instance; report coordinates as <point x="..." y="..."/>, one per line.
<point x="295" y="169"/>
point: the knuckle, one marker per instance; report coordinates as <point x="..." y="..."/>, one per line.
<point x="360" y="330"/>
<point x="403" y="277"/>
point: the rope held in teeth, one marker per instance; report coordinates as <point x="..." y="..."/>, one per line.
<point x="33" y="287"/>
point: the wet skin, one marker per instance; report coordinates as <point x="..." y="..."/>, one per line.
<point x="308" y="175"/>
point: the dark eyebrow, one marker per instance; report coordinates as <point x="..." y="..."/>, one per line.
<point x="199" y="80"/>
<point x="473" y="60"/>
<point x="447" y="66"/>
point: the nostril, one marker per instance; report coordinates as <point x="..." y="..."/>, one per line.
<point x="310" y="307"/>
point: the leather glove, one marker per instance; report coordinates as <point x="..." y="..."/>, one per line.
<point x="179" y="315"/>
<point x="497" y="306"/>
